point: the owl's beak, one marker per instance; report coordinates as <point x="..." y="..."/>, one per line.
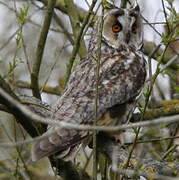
<point x="127" y="37"/>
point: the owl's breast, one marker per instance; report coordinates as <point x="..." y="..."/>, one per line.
<point x="127" y="70"/>
<point x="121" y="79"/>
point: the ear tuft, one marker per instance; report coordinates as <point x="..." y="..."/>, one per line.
<point x="137" y="8"/>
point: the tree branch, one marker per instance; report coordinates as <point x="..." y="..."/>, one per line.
<point x="60" y="5"/>
<point x="47" y="89"/>
<point x="77" y="42"/>
<point x="24" y="113"/>
<point x="75" y="24"/>
<point x="165" y="108"/>
<point x="40" y="49"/>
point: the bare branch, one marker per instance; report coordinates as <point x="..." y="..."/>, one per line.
<point x="40" y="49"/>
<point x="77" y="42"/>
<point x="47" y="89"/>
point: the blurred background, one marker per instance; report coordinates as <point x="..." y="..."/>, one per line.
<point x="20" y="27"/>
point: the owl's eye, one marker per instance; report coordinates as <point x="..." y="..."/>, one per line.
<point x="134" y="28"/>
<point x="117" y="28"/>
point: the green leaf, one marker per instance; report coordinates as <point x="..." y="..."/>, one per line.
<point x="22" y="15"/>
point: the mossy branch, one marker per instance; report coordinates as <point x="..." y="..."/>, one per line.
<point x="146" y="167"/>
<point x="60" y="5"/>
<point x="40" y="49"/>
<point x="47" y="89"/>
<point x="75" y="24"/>
<point x="164" y="108"/>
<point x="78" y="41"/>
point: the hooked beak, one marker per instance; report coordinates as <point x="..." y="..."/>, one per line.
<point x="127" y="37"/>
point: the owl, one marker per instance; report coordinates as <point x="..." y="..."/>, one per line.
<point x="121" y="77"/>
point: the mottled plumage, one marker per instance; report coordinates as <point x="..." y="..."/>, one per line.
<point x="121" y="79"/>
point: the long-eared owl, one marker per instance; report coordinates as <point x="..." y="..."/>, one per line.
<point x="121" y="77"/>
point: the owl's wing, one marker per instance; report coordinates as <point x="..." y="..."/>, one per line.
<point x="61" y="141"/>
<point x="120" y="79"/>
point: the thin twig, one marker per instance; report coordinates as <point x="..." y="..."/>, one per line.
<point x="153" y="140"/>
<point x="65" y="31"/>
<point x="169" y="151"/>
<point x="9" y="39"/>
<point x="173" y="59"/>
<point x="165" y="14"/>
<point x="151" y="25"/>
<point x="52" y="68"/>
<point x="97" y="59"/>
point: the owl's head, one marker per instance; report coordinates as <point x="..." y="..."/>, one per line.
<point x="122" y="27"/>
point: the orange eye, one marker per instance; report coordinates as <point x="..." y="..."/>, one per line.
<point x="134" y="29"/>
<point x="116" y="28"/>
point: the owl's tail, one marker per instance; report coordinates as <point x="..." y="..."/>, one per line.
<point x="61" y="142"/>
